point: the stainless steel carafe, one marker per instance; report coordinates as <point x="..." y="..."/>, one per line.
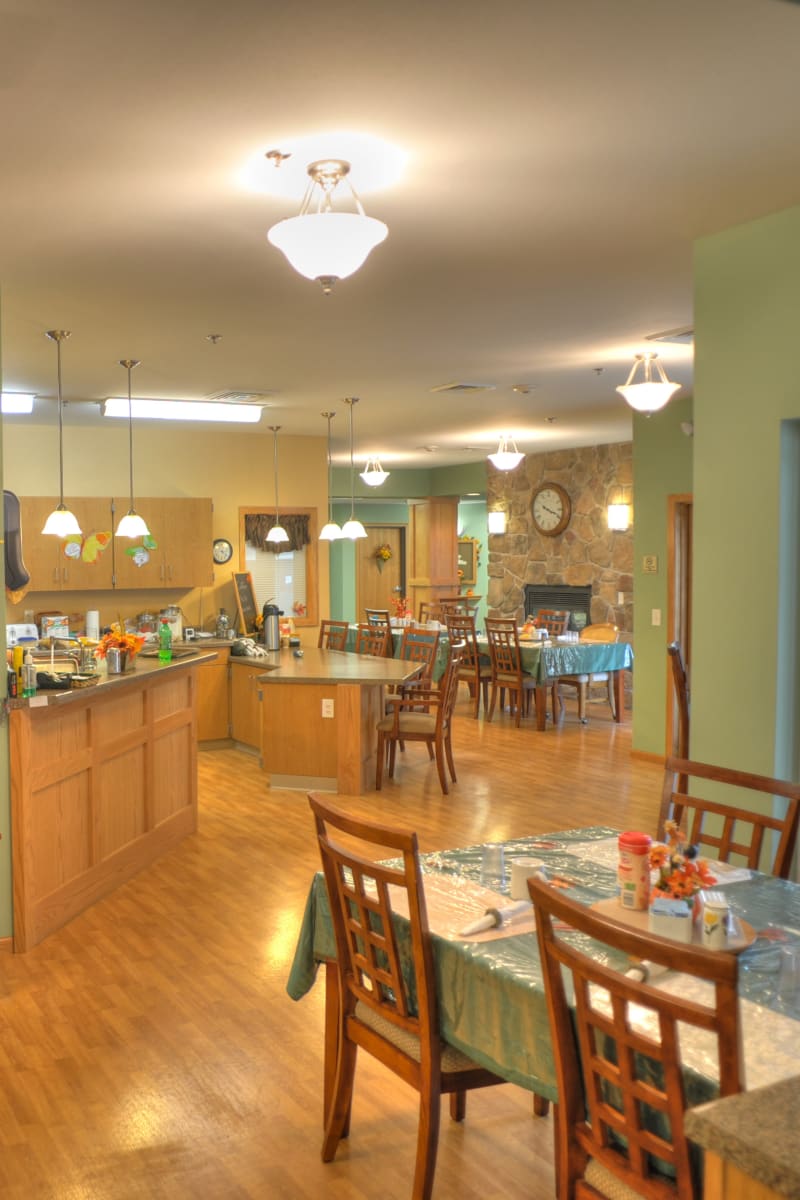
<point x="272" y="626"/>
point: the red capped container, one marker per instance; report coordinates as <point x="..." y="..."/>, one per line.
<point x="633" y="872"/>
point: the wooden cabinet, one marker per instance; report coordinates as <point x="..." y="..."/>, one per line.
<point x="213" y="703"/>
<point x="246" y="702"/>
<point x="74" y="565"/>
<point x="182" y="531"/>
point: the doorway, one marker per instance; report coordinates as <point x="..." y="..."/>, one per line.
<point x="379" y="581"/>
<point x="679" y="599"/>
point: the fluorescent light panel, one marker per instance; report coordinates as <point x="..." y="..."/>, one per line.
<point x="17" y="402"/>
<point x="183" y="410"/>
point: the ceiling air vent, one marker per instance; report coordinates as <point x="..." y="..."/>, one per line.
<point x="683" y="337"/>
<point x="243" y="397"/>
<point x="464" y="387"/>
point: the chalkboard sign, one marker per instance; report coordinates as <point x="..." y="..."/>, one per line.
<point x="245" y="600"/>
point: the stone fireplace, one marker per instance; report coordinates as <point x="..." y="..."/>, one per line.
<point x="576" y="600"/>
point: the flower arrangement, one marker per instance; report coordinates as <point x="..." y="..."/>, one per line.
<point x="401" y="606"/>
<point x="383" y="552"/>
<point x="681" y="874"/>
<point x="118" y="639"/>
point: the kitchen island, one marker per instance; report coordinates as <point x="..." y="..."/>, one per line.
<point x="319" y="713"/>
<point x="103" y="782"/>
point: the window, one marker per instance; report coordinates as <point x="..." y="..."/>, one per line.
<point x="288" y="578"/>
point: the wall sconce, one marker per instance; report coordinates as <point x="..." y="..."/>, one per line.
<point x="496" y="521"/>
<point x="619" y="511"/>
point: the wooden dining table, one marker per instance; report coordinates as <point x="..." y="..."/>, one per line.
<point x="490" y="988"/>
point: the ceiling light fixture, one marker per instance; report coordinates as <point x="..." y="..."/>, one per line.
<point x="352" y="528"/>
<point x="17" y="402"/>
<point x="651" y="394"/>
<point x="320" y="243"/>
<point x="374" y="474"/>
<point x="507" y="456"/>
<point x="330" y="532"/>
<point x="183" y="410"/>
<point x="277" y="533"/>
<point x="131" y="525"/>
<point x="61" y="521"/>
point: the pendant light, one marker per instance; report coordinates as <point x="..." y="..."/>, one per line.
<point x="323" y="244"/>
<point x="374" y="474"/>
<point x="352" y="528"/>
<point x="506" y="457"/>
<point x="277" y="533"/>
<point x="61" y="521"/>
<point x="131" y="525"/>
<point x="651" y="394"/>
<point x="330" y="532"/>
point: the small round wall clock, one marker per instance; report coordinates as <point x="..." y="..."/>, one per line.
<point x="551" y="508"/>
<point x="223" y="550"/>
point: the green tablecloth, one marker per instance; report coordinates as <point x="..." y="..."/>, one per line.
<point x="491" y="994"/>
<point x="442" y="648"/>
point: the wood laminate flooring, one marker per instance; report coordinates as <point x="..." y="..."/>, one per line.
<point x="150" y="1049"/>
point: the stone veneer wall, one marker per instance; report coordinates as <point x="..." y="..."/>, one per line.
<point x="586" y="552"/>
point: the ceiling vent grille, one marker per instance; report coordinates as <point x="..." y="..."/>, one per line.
<point x="683" y="337"/>
<point x="464" y="387"/>
<point x="242" y="397"/>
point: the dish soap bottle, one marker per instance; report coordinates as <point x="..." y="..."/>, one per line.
<point x="28" y="675"/>
<point x="164" y="641"/>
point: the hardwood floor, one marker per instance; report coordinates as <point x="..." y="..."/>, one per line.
<point x="150" y="1050"/>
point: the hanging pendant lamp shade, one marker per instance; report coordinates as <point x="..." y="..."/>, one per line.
<point x="651" y="394"/>
<point x="507" y="456"/>
<point x="352" y="528"/>
<point x="277" y="533"/>
<point x="327" y="245"/>
<point x="331" y="531"/>
<point x="374" y="474"/>
<point x="131" y="525"/>
<point x="61" y="522"/>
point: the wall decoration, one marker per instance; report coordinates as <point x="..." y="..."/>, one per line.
<point x="468" y="549"/>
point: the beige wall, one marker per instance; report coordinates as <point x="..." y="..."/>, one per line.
<point x="233" y="468"/>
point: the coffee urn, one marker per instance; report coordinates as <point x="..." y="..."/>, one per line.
<point x="272" y="626"/>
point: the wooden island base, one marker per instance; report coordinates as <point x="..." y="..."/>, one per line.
<point x="103" y="781"/>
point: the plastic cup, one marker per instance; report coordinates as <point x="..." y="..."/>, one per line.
<point x="493" y="866"/>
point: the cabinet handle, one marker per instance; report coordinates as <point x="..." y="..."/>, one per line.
<point x="65" y="574"/>
<point x="55" y="575"/>
<point x="161" y="571"/>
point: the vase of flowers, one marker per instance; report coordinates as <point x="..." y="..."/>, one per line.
<point x="118" y="648"/>
<point x="681" y="874"/>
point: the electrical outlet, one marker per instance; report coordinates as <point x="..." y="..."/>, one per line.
<point x="620" y="597"/>
<point x="327" y="708"/>
<point x="655" y="616"/>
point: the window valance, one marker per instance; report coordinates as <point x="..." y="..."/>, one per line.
<point x="258" y="525"/>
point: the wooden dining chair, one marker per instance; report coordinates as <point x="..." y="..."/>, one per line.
<point x="332" y="635"/>
<point x="618" y="1123"/>
<point x="726" y="830"/>
<point x="450" y="604"/>
<point x="380" y="617"/>
<point x="428" y="611"/>
<point x="554" y="620"/>
<point x="419" y="646"/>
<point x="506" y="673"/>
<point x="584" y="683"/>
<point x="476" y="668"/>
<point x="425" y="715"/>
<point x="387" y="1002"/>
<point x="372" y="639"/>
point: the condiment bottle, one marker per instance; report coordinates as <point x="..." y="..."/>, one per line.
<point x="28" y="675"/>
<point x="633" y="871"/>
<point x="164" y="641"/>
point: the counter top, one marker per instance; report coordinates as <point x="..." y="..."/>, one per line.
<point x="46" y="697"/>
<point x="756" y="1132"/>
<point x="333" y="666"/>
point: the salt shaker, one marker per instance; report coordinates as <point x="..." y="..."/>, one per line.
<point x="633" y="871"/>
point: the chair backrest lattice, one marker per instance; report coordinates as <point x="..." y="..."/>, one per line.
<point x="461" y="628"/>
<point x="504" y="646"/>
<point x="378" y="616"/>
<point x="448" y="691"/>
<point x="620" y="1077"/>
<point x="723" y="829"/>
<point x="332" y="635"/>
<point x="373" y="640"/>
<point x="420" y="646"/>
<point x="554" y="620"/>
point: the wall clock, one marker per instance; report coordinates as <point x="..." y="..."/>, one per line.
<point x="551" y="508"/>
<point x="223" y="550"/>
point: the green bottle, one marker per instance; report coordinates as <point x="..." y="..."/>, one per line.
<point x="165" y="642"/>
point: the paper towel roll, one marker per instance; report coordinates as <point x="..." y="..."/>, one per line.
<point x="521" y="871"/>
<point x="93" y="625"/>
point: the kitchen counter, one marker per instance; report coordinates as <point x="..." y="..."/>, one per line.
<point x="47" y="697"/>
<point x="750" y="1142"/>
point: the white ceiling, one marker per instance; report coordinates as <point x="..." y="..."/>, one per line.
<point x="562" y="157"/>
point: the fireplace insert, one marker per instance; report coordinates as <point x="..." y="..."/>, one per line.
<point x="577" y="600"/>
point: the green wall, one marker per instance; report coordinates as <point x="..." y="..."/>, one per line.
<point x="747" y="316"/>
<point x="6" y="929"/>
<point x="662" y="466"/>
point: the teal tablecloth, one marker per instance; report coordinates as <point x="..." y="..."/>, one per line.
<point x="491" y="994"/>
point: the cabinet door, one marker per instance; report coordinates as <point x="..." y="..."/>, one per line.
<point x="57" y="565"/>
<point x="245" y="704"/>
<point x="182" y="531"/>
<point x="213" y="709"/>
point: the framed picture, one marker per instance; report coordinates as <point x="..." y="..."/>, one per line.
<point x="468" y="561"/>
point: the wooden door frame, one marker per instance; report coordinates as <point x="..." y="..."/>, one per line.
<point x="679" y="596"/>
